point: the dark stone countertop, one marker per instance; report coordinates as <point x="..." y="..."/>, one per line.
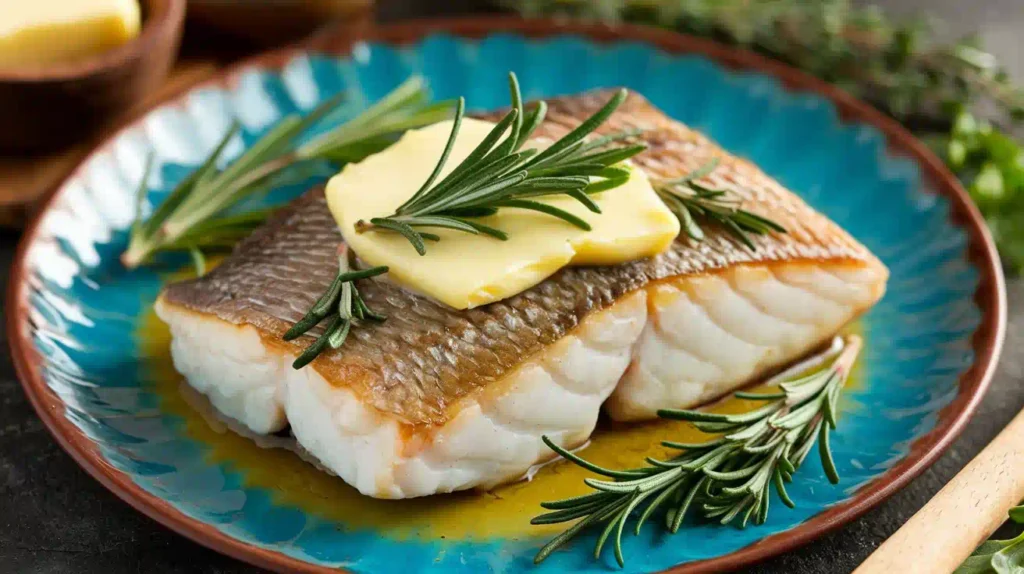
<point x="54" y="518"/>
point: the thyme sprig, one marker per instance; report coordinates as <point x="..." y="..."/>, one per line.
<point x="728" y="478"/>
<point x="901" y="66"/>
<point x="690" y="200"/>
<point x="499" y="174"/>
<point x="341" y="305"/>
<point x="195" y="215"/>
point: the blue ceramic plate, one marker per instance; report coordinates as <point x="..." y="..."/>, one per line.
<point x="94" y="360"/>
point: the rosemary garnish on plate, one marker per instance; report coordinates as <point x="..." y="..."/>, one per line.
<point x="192" y="217"/>
<point x="341" y="305"/>
<point x="499" y="174"/>
<point x="727" y="478"/>
<point x="688" y="200"/>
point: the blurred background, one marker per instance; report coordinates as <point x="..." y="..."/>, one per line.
<point x="933" y="64"/>
<point x="949" y="70"/>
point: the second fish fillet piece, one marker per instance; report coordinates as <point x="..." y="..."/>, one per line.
<point x="437" y="399"/>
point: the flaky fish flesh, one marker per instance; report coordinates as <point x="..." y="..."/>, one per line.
<point x="437" y="399"/>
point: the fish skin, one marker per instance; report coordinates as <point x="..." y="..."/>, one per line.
<point x="494" y="438"/>
<point x="426" y="359"/>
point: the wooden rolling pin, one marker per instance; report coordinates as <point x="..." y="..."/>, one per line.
<point x="962" y="515"/>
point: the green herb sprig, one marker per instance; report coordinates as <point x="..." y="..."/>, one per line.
<point x="690" y="200"/>
<point x="991" y="165"/>
<point x="195" y="215"/>
<point x="899" y="66"/>
<point x="498" y="174"/>
<point x="998" y="556"/>
<point x="728" y="478"/>
<point x="341" y="305"/>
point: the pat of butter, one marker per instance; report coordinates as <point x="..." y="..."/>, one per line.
<point x="43" y="32"/>
<point x="464" y="270"/>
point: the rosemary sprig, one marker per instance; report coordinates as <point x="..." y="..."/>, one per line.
<point x="728" y="478"/>
<point x="498" y="174"/>
<point x="690" y="200"/>
<point x="217" y="236"/>
<point x="341" y="305"/>
<point x="188" y="217"/>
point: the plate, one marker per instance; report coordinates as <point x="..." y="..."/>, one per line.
<point x="93" y="359"/>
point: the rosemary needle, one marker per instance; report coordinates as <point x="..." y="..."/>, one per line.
<point x="495" y="175"/>
<point x="726" y="479"/>
<point x="690" y="201"/>
<point x="498" y="174"/>
<point x="341" y="304"/>
<point x="278" y="158"/>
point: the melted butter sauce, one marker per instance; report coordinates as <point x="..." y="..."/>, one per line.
<point x="503" y="512"/>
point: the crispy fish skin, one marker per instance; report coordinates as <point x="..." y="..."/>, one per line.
<point x="453" y="397"/>
<point x="493" y="438"/>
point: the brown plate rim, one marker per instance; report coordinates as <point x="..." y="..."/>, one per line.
<point x="990" y="295"/>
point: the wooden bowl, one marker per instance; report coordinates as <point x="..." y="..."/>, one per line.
<point x="272" y="22"/>
<point x="48" y="108"/>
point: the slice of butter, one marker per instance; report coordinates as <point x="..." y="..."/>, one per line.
<point x="464" y="270"/>
<point x="45" y="32"/>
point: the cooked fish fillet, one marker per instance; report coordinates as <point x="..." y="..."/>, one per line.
<point x="437" y="399"/>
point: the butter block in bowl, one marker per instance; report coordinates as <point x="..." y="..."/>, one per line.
<point x="63" y="31"/>
<point x="68" y="67"/>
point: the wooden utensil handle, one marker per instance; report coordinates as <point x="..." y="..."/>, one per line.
<point x="965" y="512"/>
